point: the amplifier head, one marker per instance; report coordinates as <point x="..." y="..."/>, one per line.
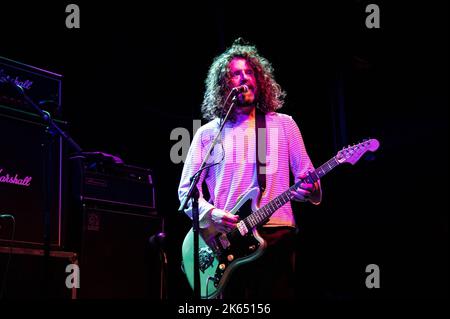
<point x="110" y="184"/>
<point x="43" y="86"/>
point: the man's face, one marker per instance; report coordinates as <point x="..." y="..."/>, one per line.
<point x="242" y="73"/>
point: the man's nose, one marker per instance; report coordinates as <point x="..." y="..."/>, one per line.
<point x="244" y="78"/>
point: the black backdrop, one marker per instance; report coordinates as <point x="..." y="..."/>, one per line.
<point x="134" y="72"/>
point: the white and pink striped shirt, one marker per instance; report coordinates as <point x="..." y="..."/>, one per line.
<point x="236" y="171"/>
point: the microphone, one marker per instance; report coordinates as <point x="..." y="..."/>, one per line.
<point x="240" y="89"/>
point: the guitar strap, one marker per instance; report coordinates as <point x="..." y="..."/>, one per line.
<point x="261" y="149"/>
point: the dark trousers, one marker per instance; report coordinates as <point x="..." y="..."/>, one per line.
<point x="271" y="276"/>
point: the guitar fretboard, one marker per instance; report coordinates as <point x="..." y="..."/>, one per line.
<point x="261" y="215"/>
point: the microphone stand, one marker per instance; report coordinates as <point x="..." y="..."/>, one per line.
<point x="194" y="195"/>
<point x="51" y="125"/>
<point x="52" y="131"/>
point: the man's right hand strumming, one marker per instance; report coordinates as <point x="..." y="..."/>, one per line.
<point x="220" y="219"/>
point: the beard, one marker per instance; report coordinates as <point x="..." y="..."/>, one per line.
<point x="245" y="100"/>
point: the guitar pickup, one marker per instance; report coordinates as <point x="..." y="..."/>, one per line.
<point x="242" y="228"/>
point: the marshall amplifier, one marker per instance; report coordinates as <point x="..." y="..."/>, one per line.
<point x="23" y="190"/>
<point x="43" y="87"/>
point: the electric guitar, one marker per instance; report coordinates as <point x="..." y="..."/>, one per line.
<point x="220" y="253"/>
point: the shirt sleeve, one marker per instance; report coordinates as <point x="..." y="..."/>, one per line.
<point x="193" y="162"/>
<point x="299" y="160"/>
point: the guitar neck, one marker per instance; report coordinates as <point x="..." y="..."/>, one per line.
<point x="261" y="215"/>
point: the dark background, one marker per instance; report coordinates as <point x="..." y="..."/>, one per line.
<point x="134" y="72"/>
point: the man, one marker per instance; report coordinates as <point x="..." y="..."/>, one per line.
<point x="233" y="167"/>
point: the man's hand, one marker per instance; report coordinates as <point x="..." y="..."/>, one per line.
<point x="303" y="193"/>
<point x="222" y="220"/>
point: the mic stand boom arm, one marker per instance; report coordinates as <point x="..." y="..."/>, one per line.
<point x="55" y="129"/>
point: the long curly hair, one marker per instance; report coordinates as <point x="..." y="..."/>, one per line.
<point x="270" y="97"/>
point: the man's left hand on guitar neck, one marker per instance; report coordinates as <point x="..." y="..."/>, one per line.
<point x="307" y="192"/>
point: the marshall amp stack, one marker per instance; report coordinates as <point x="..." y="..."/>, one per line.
<point x="22" y="157"/>
<point x="99" y="212"/>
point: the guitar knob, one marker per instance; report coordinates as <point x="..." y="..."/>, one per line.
<point x="230" y="258"/>
<point x="222" y="266"/>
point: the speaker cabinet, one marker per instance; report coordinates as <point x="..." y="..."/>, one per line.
<point x="23" y="178"/>
<point x="117" y="260"/>
<point x="30" y="274"/>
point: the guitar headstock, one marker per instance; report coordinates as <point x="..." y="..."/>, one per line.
<point x="352" y="154"/>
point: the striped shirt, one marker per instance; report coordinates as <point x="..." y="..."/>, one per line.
<point x="236" y="172"/>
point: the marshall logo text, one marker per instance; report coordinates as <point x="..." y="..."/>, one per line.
<point x="4" y="77"/>
<point x="14" y="179"/>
